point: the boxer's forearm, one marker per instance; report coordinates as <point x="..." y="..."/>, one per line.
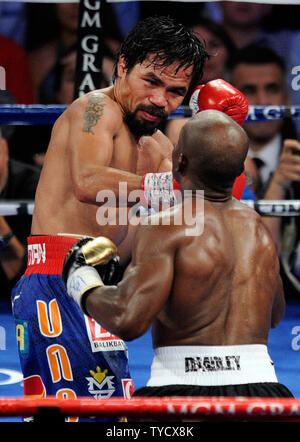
<point x="111" y="308"/>
<point x="126" y="308"/>
<point x="108" y="181"/>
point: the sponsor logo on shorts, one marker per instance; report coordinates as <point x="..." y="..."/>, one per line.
<point x="34" y="387"/>
<point x="128" y="388"/>
<point x="22" y="336"/>
<point x="101" y="339"/>
<point x="36" y="253"/>
<point x="100" y="386"/>
<point x="212" y="363"/>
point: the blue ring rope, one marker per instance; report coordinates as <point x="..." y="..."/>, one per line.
<point x="37" y="114"/>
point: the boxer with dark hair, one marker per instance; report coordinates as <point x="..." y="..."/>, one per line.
<point x="211" y="298"/>
<point x="94" y="146"/>
<point x="104" y="138"/>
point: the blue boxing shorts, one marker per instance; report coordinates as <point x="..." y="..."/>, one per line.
<point x="63" y="353"/>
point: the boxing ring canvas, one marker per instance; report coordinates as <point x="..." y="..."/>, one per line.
<point x="284" y="349"/>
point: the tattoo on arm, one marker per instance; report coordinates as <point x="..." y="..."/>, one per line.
<point x="93" y="112"/>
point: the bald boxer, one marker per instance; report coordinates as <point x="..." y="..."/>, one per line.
<point x="212" y="297"/>
<point x="104" y="138"/>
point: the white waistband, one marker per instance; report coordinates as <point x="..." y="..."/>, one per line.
<point x="211" y="365"/>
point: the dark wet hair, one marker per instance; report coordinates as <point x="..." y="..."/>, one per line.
<point x="169" y="40"/>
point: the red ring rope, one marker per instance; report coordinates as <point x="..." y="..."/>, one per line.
<point x="279" y="409"/>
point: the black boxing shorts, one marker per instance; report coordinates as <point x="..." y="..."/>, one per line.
<point x="260" y="389"/>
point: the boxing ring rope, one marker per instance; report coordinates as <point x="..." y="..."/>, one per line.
<point x="270" y="208"/>
<point x="204" y="408"/>
<point x="17" y="114"/>
<point x="48" y="114"/>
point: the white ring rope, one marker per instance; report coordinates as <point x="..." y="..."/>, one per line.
<point x="274" y="208"/>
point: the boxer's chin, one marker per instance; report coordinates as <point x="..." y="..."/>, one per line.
<point x="140" y="128"/>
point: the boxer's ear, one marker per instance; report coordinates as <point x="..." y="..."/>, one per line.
<point x="182" y="164"/>
<point x="121" y="67"/>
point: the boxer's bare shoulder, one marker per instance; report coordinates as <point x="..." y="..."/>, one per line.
<point x="248" y="218"/>
<point x="93" y="110"/>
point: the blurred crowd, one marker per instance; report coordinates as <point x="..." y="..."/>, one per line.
<point x="251" y="45"/>
<point x="43" y="39"/>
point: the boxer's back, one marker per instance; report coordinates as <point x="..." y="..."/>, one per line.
<point x="225" y="282"/>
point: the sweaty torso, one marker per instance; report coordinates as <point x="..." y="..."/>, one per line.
<point x="57" y="207"/>
<point x="224" y="282"/>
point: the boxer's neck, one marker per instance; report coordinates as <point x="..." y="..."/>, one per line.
<point x="190" y="189"/>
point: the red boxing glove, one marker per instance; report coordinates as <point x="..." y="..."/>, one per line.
<point x="239" y="186"/>
<point x="221" y="96"/>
